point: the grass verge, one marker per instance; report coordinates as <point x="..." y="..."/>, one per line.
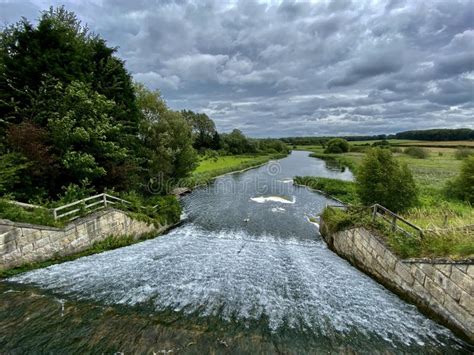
<point x="454" y="244"/>
<point x="344" y="191"/>
<point x="210" y="168"/>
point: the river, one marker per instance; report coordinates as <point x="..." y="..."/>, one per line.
<point x="247" y="272"/>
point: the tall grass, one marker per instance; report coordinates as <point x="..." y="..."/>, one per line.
<point x="344" y="191"/>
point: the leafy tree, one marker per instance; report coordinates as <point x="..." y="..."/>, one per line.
<point x="381" y="179"/>
<point x="337" y="146"/>
<point x="59" y="47"/>
<point x="236" y="143"/>
<point x="216" y="141"/>
<point x="167" y="139"/>
<point x="203" y="128"/>
<point x="12" y="168"/>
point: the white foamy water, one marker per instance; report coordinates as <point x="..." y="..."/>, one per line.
<point x="278" y="209"/>
<point x="279" y="199"/>
<point x="231" y="274"/>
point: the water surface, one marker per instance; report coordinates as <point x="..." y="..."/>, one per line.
<point x="246" y="273"/>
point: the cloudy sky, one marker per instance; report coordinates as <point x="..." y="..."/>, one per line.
<point x="284" y="68"/>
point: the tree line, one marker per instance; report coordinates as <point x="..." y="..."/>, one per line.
<point x="458" y="134"/>
<point x="70" y="114"/>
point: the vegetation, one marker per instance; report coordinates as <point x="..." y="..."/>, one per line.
<point x="41" y="216"/>
<point x="337" y="146"/>
<point x="381" y="179"/>
<point x="454" y="243"/>
<point x="436" y="135"/>
<point x="463" y="185"/>
<point x="211" y="167"/>
<point x="344" y="191"/>
<point x="441" y="210"/>
<point x="416" y="152"/>
<point x="459" y="134"/>
<point x="73" y="123"/>
<point x="463" y="153"/>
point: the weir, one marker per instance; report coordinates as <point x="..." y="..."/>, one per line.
<point x="246" y="268"/>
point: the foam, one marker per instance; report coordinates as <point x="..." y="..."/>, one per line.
<point x="279" y="199"/>
<point x="234" y="275"/>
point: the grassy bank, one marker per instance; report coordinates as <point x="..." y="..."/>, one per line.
<point x="453" y="244"/>
<point x="437" y="212"/>
<point x="344" y="191"/>
<point x="436" y="209"/>
<point x="109" y="243"/>
<point x="167" y="211"/>
<point x="211" y="167"/>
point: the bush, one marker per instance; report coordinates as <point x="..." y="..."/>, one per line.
<point x="336" y="219"/>
<point x="358" y="148"/>
<point x="463" y="185"/>
<point x="416" y="152"/>
<point x="396" y="149"/>
<point x="337" y="146"/>
<point x="381" y="179"/>
<point x="382" y="144"/>
<point x="463" y="153"/>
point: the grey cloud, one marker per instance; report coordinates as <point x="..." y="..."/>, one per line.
<point x="282" y="68"/>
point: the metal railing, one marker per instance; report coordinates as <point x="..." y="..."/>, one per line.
<point x="86" y="205"/>
<point x="396" y="222"/>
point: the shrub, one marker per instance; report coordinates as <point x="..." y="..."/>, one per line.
<point x="381" y="179"/>
<point x="396" y="149"/>
<point x="416" y="152"/>
<point x="463" y="153"/>
<point x="463" y="185"/>
<point x="382" y="144"/>
<point x="358" y="148"/>
<point x="337" y="146"/>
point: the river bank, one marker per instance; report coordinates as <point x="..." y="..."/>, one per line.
<point x="442" y="289"/>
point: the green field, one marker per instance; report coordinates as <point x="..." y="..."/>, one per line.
<point x="211" y="167"/>
<point x="436" y="209"/>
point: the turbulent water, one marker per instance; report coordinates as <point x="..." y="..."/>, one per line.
<point x="246" y="272"/>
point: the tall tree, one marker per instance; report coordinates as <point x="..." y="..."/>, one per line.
<point x="203" y="128"/>
<point x="167" y="138"/>
<point x="60" y="47"/>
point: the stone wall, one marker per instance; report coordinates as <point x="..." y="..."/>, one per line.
<point x="442" y="289"/>
<point x="22" y="243"/>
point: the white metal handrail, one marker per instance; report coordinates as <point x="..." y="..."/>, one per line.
<point x="96" y="202"/>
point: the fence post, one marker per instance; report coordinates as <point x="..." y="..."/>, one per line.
<point x="104" y="197"/>
<point x="374" y="212"/>
<point x="394" y="223"/>
<point x="55" y="214"/>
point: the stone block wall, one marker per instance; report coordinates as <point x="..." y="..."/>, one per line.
<point x="22" y="243"/>
<point x="442" y="289"/>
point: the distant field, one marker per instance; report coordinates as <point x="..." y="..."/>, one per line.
<point x="431" y="175"/>
<point x="407" y="142"/>
<point x="207" y="165"/>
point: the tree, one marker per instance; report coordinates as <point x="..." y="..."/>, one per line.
<point x="337" y="146"/>
<point x="216" y="141"/>
<point x="381" y="179"/>
<point x="236" y="143"/>
<point x="59" y="47"/>
<point x="167" y="140"/>
<point x="203" y="128"/>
